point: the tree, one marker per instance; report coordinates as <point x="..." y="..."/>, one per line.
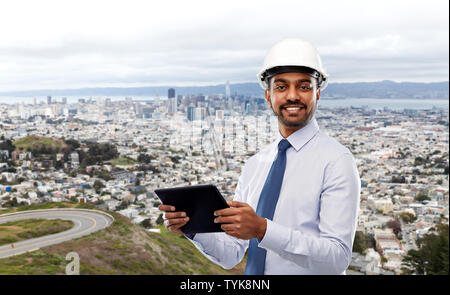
<point x="408" y="217"/>
<point x="58" y="165"/>
<point x="432" y="256"/>
<point x="144" y="158"/>
<point x="98" y="153"/>
<point x="11" y="203"/>
<point x="73" y="143"/>
<point x="98" y="185"/>
<point x="422" y="196"/>
<point x="147" y="223"/>
<point x="7" y="145"/>
<point x="395" y="226"/>
<point x="122" y="205"/>
<point x="360" y="242"/>
<point x="160" y="219"/>
<point x="398" y="179"/>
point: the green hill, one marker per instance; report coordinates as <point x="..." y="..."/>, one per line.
<point x="40" y="145"/>
<point x="122" y="248"/>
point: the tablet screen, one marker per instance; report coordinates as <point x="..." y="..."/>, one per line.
<point x="199" y="202"/>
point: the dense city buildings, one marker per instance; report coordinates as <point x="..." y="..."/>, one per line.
<point x="115" y="153"/>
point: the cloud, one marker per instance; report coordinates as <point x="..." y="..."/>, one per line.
<point x="65" y="44"/>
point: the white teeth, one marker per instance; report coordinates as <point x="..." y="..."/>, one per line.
<point x="292" y="109"/>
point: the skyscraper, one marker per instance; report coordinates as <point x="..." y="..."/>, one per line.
<point x="199" y="113"/>
<point x="49" y="99"/>
<point x="227" y="90"/>
<point x="172" y="105"/>
<point x="190" y="113"/>
<point x="219" y="114"/>
<point x="171" y="93"/>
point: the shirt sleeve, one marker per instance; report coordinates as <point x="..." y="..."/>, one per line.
<point x="330" y="251"/>
<point x="220" y="248"/>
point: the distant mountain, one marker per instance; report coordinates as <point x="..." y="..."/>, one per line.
<point x="388" y="89"/>
<point x="383" y="89"/>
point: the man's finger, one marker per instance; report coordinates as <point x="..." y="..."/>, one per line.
<point x="226" y="212"/>
<point x="174" y="221"/>
<point x="238" y="204"/>
<point x="228" y="227"/>
<point x="225" y="219"/>
<point x="176" y="226"/>
<point x="170" y="215"/>
<point x="166" y="208"/>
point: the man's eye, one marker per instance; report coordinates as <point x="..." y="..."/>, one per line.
<point x="305" y="87"/>
<point x="280" y="87"/>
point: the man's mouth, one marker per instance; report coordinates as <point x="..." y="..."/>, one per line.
<point x="294" y="109"/>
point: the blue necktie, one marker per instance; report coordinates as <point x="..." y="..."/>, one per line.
<point x="256" y="259"/>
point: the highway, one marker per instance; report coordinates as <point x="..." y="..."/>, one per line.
<point x="85" y="222"/>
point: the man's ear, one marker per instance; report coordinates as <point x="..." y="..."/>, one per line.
<point x="318" y="94"/>
<point x="267" y="94"/>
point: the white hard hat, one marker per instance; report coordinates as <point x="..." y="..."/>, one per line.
<point x="292" y="55"/>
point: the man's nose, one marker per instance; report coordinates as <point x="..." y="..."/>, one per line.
<point x="292" y="93"/>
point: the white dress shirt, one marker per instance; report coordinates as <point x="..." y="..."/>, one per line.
<point x="314" y="223"/>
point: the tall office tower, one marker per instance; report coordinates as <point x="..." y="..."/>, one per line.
<point x="156" y="98"/>
<point x="199" y="114"/>
<point x="64" y="100"/>
<point x="137" y="109"/>
<point x="172" y="105"/>
<point x="34" y="100"/>
<point x="247" y="107"/>
<point x="171" y="93"/>
<point x="200" y="98"/>
<point x="190" y="113"/>
<point x="55" y="110"/>
<point x="219" y="114"/>
<point x="227" y="90"/>
<point x="107" y="102"/>
<point x="49" y="99"/>
<point x="230" y="103"/>
<point x="179" y="99"/>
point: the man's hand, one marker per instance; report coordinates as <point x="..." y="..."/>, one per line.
<point x="173" y="220"/>
<point x="241" y="221"/>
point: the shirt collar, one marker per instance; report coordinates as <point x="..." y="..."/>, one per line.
<point x="300" y="137"/>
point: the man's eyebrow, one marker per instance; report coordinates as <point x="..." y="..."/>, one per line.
<point x="285" y="81"/>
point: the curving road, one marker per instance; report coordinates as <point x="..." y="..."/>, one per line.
<point x="85" y="222"/>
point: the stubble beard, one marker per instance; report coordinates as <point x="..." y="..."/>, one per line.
<point x="296" y="124"/>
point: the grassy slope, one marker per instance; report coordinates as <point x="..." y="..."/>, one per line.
<point x="122" y="248"/>
<point x="34" y="140"/>
<point x="12" y="232"/>
<point x="123" y="161"/>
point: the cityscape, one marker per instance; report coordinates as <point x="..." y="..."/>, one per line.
<point x="115" y="153"/>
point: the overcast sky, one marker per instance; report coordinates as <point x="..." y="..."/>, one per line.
<point x="73" y="44"/>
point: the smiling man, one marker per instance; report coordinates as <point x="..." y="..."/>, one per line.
<point x="296" y="203"/>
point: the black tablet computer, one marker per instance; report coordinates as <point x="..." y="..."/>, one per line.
<point x="199" y="202"/>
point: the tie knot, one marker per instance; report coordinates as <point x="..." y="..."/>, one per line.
<point x="283" y="145"/>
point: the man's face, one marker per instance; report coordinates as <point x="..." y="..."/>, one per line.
<point x="293" y="98"/>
